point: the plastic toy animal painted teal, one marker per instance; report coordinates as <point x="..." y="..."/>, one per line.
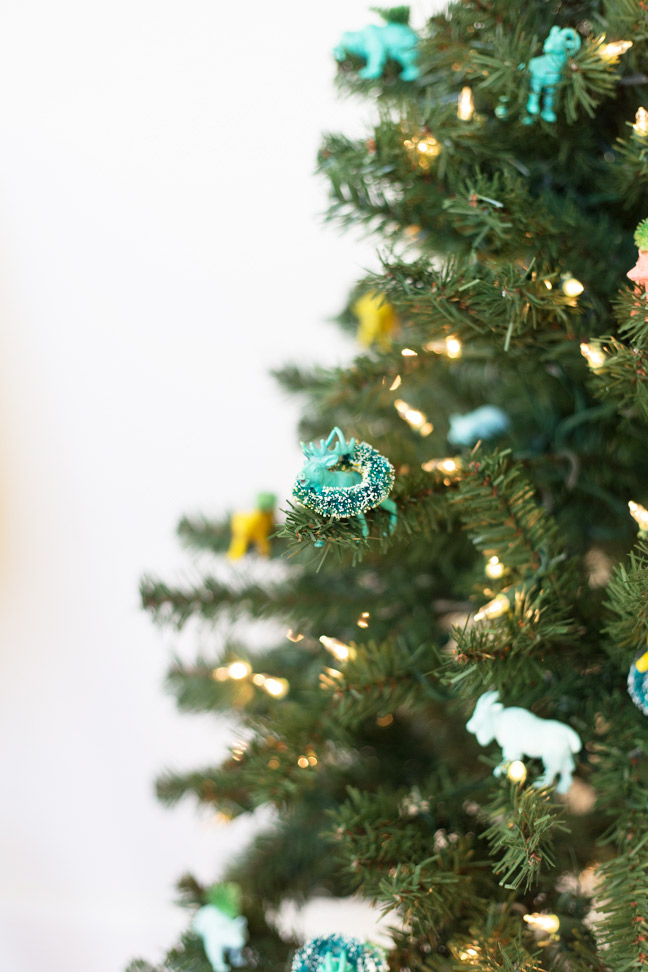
<point x="377" y="44"/>
<point x="546" y="71"/>
<point x="341" y="479"/>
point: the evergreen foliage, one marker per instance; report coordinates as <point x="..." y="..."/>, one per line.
<point x="376" y="786"/>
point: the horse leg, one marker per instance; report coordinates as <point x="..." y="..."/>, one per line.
<point x="376" y="57"/>
<point x="363" y="524"/>
<point x="533" y="101"/>
<point x="547" y="113"/>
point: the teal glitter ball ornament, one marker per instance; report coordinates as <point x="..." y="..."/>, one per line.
<point x="342" y="479"/>
<point x="638" y="682"/>
<point x="338" y="953"/>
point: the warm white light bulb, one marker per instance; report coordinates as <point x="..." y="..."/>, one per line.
<point x="641" y="122"/>
<point x="277" y="687"/>
<point x="593" y="355"/>
<point x="639" y="514"/>
<point x="466" y="105"/>
<point x="238" y="670"/>
<point x="545" y="923"/>
<point x="613" y="50"/>
<point x="517" y="771"/>
<point x="494" y="568"/>
<point x="339" y="650"/>
<point x="453" y="347"/>
<point x="572" y="287"/>
<point x="494" y="609"/>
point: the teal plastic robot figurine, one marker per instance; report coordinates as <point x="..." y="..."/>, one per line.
<point x="546" y="71"/>
<point x="394" y="41"/>
<point x="342" y="479"/>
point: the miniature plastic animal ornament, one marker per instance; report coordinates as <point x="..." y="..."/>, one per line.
<point x="484" y="422"/>
<point x="222" y="929"/>
<point x="338" y="953"/>
<point x="546" y="71"/>
<point x="254" y="527"/>
<point x="639" y="273"/>
<point x="394" y="40"/>
<point x="638" y="682"/>
<point x="521" y="733"/>
<point x="377" y="320"/>
<point x="341" y="479"/>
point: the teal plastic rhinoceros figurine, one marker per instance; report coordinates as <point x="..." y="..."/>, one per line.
<point x="377" y="45"/>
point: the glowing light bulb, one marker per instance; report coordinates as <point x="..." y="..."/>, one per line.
<point x="614" y="50"/>
<point x="469" y="954"/>
<point x="466" y="105"/>
<point x="339" y="650"/>
<point x="548" y="284"/>
<point x="238" y="670"/>
<point x="294" y="636"/>
<point x="593" y="355"/>
<point x="442" y="465"/>
<point x="259" y="680"/>
<point x="639" y="514"/>
<point x="572" y="287"/>
<point x="422" y="149"/>
<point x="517" y="771"/>
<point x="545" y="923"/>
<point x="641" y="122"/>
<point x="494" y="609"/>
<point x="395" y="383"/>
<point x="277" y="687"/>
<point x="494" y="567"/>
<point x="453" y="347"/>
<point x="414" y="418"/>
<point x="384" y="721"/>
<point x="363" y="620"/>
<point x="220" y="674"/>
<point x="302" y="762"/>
<point x="409" y="353"/>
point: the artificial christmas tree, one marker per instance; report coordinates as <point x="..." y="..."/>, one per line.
<point x="506" y="570"/>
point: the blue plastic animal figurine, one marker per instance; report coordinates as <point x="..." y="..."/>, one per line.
<point x="546" y="71"/>
<point x="483" y="423"/>
<point x="341" y="479"/>
<point x="393" y="40"/>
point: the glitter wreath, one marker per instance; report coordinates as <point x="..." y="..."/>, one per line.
<point x="341" y="501"/>
<point x="354" y="955"/>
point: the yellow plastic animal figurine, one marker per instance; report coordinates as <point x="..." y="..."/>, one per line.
<point x="377" y="320"/>
<point x="254" y="527"/>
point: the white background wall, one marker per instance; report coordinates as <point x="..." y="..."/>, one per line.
<point x="160" y="249"/>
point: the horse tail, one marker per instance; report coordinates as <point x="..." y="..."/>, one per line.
<point x="575" y="742"/>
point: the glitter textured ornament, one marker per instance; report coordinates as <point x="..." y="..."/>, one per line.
<point x="638" y="682"/>
<point x="639" y="273"/>
<point x="341" y="479"/>
<point x="338" y="953"/>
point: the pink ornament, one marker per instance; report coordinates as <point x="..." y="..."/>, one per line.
<point x="639" y="273"/>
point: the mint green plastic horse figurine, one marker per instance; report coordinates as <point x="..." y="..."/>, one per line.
<point x="546" y="71"/>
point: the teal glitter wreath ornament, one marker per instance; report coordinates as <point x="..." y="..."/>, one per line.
<point x="338" y="953"/>
<point x="341" y="479"/>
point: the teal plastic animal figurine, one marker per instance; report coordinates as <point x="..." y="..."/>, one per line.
<point x="484" y="422"/>
<point x="546" y="71"/>
<point x="342" y="479"/>
<point x="394" y="41"/>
